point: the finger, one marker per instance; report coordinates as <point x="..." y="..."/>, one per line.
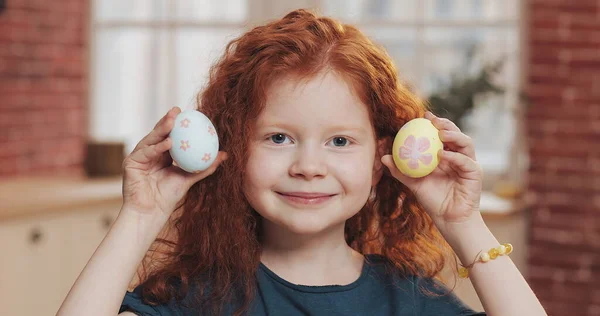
<point x="460" y="163"/>
<point x="388" y="161"/>
<point x="441" y="123"/>
<point x="165" y="159"/>
<point x="197" y="176"/>
<point x="161" y="130"/>
<point x="459" y="142"/>
<point x="151" y="153"/>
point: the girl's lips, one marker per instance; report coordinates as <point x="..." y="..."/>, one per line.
<point x="311" y="199"/>
<point x="308" y="195"/>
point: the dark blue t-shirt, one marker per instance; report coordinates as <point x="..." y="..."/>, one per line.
<point x="374" y="293"/>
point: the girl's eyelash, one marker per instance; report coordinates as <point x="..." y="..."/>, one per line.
<point x="350" y="140"/>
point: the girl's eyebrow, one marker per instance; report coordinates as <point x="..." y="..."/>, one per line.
<point x="331" y="128"/>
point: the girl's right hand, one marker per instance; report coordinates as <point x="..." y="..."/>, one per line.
<point x="152" y="184"/>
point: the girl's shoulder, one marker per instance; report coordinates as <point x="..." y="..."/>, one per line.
<point x="428" y="295"/>
<point x="134" y="301"/>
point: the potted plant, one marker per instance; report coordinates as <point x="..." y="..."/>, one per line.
<point x="458" y="98"/>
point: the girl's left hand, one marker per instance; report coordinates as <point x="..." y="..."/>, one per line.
<point x="451" y="193"/>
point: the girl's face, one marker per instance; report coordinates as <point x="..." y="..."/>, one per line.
<point x="312" y="137"/>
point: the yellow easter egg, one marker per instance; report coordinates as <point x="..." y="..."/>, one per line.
<point x="415" y="148"/>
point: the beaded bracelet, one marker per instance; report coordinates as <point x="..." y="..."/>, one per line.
<point x="502" y="250"/>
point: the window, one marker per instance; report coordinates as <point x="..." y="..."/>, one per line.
<point x="150" y="55"/>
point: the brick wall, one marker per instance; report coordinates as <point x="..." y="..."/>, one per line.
<point x="43" y="86"/>
<point x="564" y="134"/>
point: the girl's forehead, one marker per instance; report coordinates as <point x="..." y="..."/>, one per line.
<point x="326" y="94"/>
<point x="350" y="115"/>
<point x="325" y="102"/>
<point x="324" y="81"/>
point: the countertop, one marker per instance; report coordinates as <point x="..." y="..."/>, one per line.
<point x="30" y="196"/>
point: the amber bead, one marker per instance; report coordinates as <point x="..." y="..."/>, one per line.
<point x="509" y="248"/>
<point x="463" y="272"/>
<point x="493" y="253"/>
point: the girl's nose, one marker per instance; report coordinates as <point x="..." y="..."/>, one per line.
<point x="309" y="163"/>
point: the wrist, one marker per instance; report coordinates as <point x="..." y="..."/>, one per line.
<point x="154" y="215"/>
<point x="147" y="225"/>
<point x="469" y="237"/>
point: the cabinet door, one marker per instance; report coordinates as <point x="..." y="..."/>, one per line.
<point x="33" y="265"/>
<point x="87" y="230"/>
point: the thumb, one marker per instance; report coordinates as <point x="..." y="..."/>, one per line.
<point x="388" y="161"/>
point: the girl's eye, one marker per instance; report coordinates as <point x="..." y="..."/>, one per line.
<point x="278" y="138"/>
<point x="339" y="141"/>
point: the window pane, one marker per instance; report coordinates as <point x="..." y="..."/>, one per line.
<point x="196" y="51"/>
<point x="491" y="124"/>
<point x="400" y="45"/>
<point x="446" y="50"/>
<point x="122" y="84"/>
<point x="130" y="10"/>
<point x="212" y="10"/>
<point x="492" y="127"/>
<point x="357" y="10"/>
<point x="471" y="9"/>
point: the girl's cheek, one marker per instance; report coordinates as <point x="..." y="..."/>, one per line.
<point x="266" y="162"/>
<point x="352" y="169"/>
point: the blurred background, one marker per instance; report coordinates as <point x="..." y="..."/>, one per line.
<point x="82" y="81"/>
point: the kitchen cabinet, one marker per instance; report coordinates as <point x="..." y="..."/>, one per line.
<point x="33" y="265"/>
<point x="44" y="249"/>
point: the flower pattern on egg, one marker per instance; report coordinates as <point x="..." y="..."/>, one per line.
<point x="185" y="123"/>
<point x="185" y="144"/>
<point x="414" y="150"/>
<point x="206" y="157"/>
<point x="211" y="131"/>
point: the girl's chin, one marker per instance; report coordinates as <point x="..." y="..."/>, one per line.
<point x="309" y="227"/>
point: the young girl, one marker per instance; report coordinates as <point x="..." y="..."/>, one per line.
<point x="307" y="213"/>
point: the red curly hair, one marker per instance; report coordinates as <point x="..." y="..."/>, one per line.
<point x="213" y="239"/>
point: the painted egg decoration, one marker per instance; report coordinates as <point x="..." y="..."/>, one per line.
<point x="415" y="148"/>
<point x="195" y="141"/>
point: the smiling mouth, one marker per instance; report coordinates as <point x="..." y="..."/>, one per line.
<point x="306" y="200"/>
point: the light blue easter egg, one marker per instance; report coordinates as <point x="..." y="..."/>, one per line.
<point x="195" y="143"/>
